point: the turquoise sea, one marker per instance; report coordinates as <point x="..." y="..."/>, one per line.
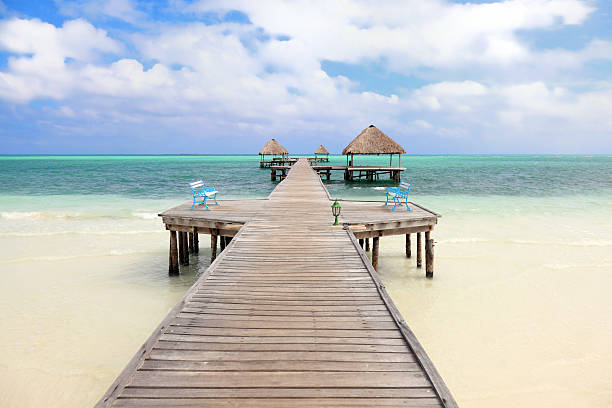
<point x="517" y="314"/>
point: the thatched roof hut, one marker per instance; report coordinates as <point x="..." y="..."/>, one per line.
<point x="272" y="147"/>
<point x="372" y="141"/>
<point x="321" y="150"/>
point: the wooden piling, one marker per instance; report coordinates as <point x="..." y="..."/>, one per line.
<point x="361" y="243"/>
<point x="191" y="246"/>
<point x="367" y="244"/>
<point x="429" y="256"/>
<point x="408" y="246"/>
<point x="419" y="252"/>
<point x="183" y="251"/>
<point x="375" y="253"/>
<point x="196" y="241"/>
<point x="222" y="243"/>
<point x="213" y="246"/>
<point x="173" y="266"/>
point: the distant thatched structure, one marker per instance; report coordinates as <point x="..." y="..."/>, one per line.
<point x="273" y="148"/>
<point x="372" y="141"/>
<point x="321" y="154"/>
<point x="321" y="150"/>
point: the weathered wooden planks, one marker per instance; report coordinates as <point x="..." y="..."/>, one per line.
<point x="289" y="314"/>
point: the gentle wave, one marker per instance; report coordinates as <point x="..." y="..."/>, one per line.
<point x="525" y="242"/>
<point x="571" y="244"/>
<point x="71" y="257"/>
<point x="60" y="233"/>
<point x="463" y="240"/>
<point x="145" y="215"/>
<point x="20" y="215"/>
<point x="37" y="215"/>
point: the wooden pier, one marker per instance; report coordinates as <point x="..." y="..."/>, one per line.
<point x="277" y="162"/>
<point x="351" y="173"/>
<point x="290" y="314"/>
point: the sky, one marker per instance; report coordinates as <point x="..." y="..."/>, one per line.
<point x="214" y="77"/>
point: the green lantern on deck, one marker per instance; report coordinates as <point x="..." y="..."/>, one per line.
<point x="336" y="208"/>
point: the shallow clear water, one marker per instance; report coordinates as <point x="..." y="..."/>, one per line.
<point x="517" y="314"/>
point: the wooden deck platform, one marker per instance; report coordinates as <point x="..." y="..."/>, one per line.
<point x="291" y="314"/>
<point x="351" y="173"/>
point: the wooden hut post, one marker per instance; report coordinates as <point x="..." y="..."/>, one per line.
<point x="213" y="245"/>
<point x="419" y="256"/>
<point x="375" y="253"/>
<point x="173" y="265"/>
<point x="191" y="247"/>
<point x="429" y="255"/>
<point x="408" y="246"/>
<point x="196" y="241"/>
<point x="367" y="242"/>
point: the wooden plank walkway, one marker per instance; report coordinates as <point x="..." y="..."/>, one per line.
<point x="290" y="314"/>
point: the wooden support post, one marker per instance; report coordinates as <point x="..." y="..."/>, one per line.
<point x="408" y="246"/>
<point x="367" y="248"/>
<point x="186" y="246"/>
<point x="222" y="243"/>
<point x="183" y="250"/>
<point x="213" y="246"/>
<point x="328" y="174"/>
<point x="375" y="253"/>
<point x="191" y="249"/>
<point x="429" y="256"/>
<point x="419" y="255"/>
<point x="361" y="243"/>
<point x="273" y="175"/>
<point x="196" y="241"/>
<point x="173" y="265"/>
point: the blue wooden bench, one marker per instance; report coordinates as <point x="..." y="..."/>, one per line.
<point x="399" y="195"/>
<point x="201" y="193"/>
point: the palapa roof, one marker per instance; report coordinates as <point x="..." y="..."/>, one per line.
<point x="372" y="141"/>
<point x="273" y="147"/>
<point x="321" y="150"/>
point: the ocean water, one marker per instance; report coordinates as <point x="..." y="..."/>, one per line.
<point x="518" y="313"/>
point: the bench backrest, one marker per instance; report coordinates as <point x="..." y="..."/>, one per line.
<point x="404" y="185"/>
<point x="197" y="185"/>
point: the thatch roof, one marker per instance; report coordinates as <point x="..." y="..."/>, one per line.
<point x="321" y="150"/>
<point x="372" y="141"/>
<point x="273" y="147"/>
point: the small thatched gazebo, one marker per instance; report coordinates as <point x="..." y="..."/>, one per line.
<point x="272" y="148"/>
<point x="321" y="151"/>
<point x="372" y="141"/>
